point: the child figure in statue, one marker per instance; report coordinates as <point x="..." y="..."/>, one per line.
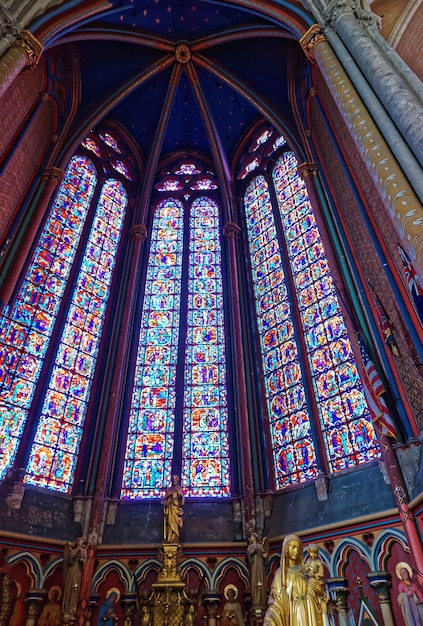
<point x="316" y="587"/>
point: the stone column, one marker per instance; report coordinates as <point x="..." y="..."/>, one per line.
<point x="34" y="600"/>
<point x="356" y="26"/>
<point x="92" y="606"/>
<point x="338" y="591"/>
<point x="98" y="481"/>
<point x="381" y="582"/>
<point x="6" y="599"/>
<point x="394" y="188"/>
<point x="25" y="52"/>
<point x="211" y="600"/>
<point x="22" y="242"/>
<point x="231" y="232"/>
<point x="129" y="601"/>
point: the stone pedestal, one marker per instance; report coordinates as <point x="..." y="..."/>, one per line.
<point x="211" y="601"/>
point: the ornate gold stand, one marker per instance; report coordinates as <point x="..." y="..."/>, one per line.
<point x="169" y="590"/>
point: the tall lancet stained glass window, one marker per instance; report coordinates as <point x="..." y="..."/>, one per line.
<point x="311" y="319"/>
<point x="26" y="328"/>
<point x="180" y="373"/>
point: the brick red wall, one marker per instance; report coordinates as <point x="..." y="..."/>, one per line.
<point x="17" y="176"/>
<point x="17" y="101"/>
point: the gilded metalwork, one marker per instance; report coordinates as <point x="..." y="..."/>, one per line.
<point x="31" y="46"/>
<point x="310" y="39"/>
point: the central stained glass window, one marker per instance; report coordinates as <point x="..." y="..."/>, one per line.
<point x="181" y="334"/>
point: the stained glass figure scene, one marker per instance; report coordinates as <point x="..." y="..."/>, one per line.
<point x="168" y="336"/>
<point x="335" y="395"/>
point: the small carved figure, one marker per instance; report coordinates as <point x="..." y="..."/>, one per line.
<point x="257" y="554"/>
<point x="173" y="511"/>
<point x="190" y="606"/>
<point x="232" y="612"/>
<point x="74" y="558"/>
<point x="145" y="615"/>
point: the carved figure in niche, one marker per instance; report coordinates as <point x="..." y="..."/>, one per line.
<point x="410" y="596"/>
<point x="144" y="603"/>
<point x="74" y="559"/>
<point x="173" y="511"/>
<point x="291" y="602"/>
<point x="316" y="587"/>
<point x="145" y="616"/>
<point x="107" y="615"/>
<point x="18" y="616"/>
<point x="51" y="615"/>
<point x="190" y="606"/>
<point x="257" y="552"/>
<point x="232" y="612"/>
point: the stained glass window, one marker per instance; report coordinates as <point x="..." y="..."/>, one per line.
<point x="122" y="168"/>
<point x="90" y="144"/>
<point x="63" y="381"/>
<point x="179" y="327"/>
<point x="110" y="141"/>
<point x="293" y="447"/>
<point x="25" y="328"/>
<point x="205" y="467"/>
<point x="149" y="447"/>
<point x="337" y="396"/>
<point x="54" y="452"/>
<point x="345" y="421"/>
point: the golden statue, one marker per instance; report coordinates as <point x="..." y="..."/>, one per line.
<point x="316" y="587"/>
<point x="173" y="511"/>
<point x="296" y="594"/>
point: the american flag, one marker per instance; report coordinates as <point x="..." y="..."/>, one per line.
<point x="386" y="326"/>
<point x="374" y="390"/>
<point x="413" y="281"/>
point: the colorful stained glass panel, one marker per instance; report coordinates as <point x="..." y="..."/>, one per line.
<point x="53" y="456"/>
<point x="205" y="464"/>
<point x="26" y="327"/>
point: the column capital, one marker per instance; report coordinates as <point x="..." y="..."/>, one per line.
<point x="381" y="582"/>
<point x="310" y="39"/>
<point x="231" y="230"/>
<point x="31" y="46"/>
<point x="359" y="9"/>
<point x="34" y="600"/>
<point x="338" y="588"/>
<point x="211" y="600"/>
<point x="7" y="27"/>
<point x="306" y="169"/>
<point x="52" y="174"/>
<point x="138" y="232"/>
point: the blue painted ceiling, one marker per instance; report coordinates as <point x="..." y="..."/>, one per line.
<point x="118" y="45"/>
